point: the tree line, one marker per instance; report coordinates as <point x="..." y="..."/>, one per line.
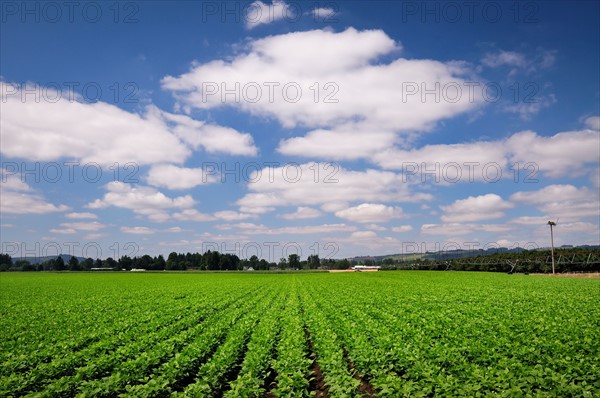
<point x="534" y="261"/>
<point x="572" y="259"/>
<point x="209" y="261"/>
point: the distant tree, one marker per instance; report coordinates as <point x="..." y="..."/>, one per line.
<point x="111" y="263"/>
<point x="5" y="262"/>
<point x="283" y="263"/>
<point x="49" y="265"/>
<point x="263" y="265"/>
<point x="98" y="263"/>
<point x="86" y="264"/>
<point x="313" y="261"/>
<point x="125" y="262"/>
<point x="59" y="264"/>
<point x="203" y="263"/>
<point x="74" y="264"/>
<point x="342" y="264"/>
<point x="294" y="261"/>
<point x="172" y="261"/>
<point x="328" y="263"/>
<point x="144" y="262"/>
<point x="195" y="261"/>
<point x="244" y="263"/>
<point x="25" y="265"/>
<point x="388" y="261"/>
<point x="211" y="260"/>
<point x="254" y="262"/>
<point x="235" y="261"/>
<point x="159" y="263"/>
<point x="225" y="263"/>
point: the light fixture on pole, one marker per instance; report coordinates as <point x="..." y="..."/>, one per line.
<point x="552" y="224"/>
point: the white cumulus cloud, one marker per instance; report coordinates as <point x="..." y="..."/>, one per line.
<point x="346" y="91"/>
<point x="327" y="185"/>
<point x="17" y="197"/>
<point x="476" y="208"/>
<point x="142" y="200"/>
<point x="302" y="212"/>
<point x="370" y="213"/>
<point x="103" y="133"/>
<point x="175" y="177"/>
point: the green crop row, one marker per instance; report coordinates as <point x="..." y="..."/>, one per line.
<point x="387" y="334"/>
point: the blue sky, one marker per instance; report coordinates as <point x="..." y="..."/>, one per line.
<point x="331" y="128"/>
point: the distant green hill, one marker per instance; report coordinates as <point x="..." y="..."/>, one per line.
<point x="455" y="254"/>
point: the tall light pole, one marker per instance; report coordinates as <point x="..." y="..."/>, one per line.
<point x="552" y="224"/>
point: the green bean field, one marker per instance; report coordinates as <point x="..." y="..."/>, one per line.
<point x="378" y="334"/>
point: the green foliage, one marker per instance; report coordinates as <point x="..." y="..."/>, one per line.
<point x="74" y="264"/>
<point x="59" y="264"/>
<point x="313" y="261"/>
<point x="294" y="261"/>
<point x="401" y="334"/>
<point x="5" y="262"/>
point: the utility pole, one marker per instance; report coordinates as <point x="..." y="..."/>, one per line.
<point x="552" y="224"/>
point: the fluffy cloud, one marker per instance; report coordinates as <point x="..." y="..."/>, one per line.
<point x="451" y="229"/>
<point x="192" y="215"/>
<point x="229" y="215"/>
<point x="310" y="229"/>
<point x="301" y="212"/>
<point x="562" y="201"/>
<point x="259" y="13"/>
<point x="446" y="163"/>
<point x="83" y="215"/>
<point x="370" y="213"/>
<point x="242" y="225"/>
<point x="18" y="197"/>
<point x="526" y="110"/>
<point x="174" y="177"/>
<point x="505" y="58"/>
<point x="211" y="137"/>
<point x="402" y="228"/>
<point x="360" y="235"/>
<point x="585" y="227"/>
<point x="345" y="92"/>
<point x="368" y="242"/>
<point x="138" y="230"/>
<point x="529" y="220"/>
<point x="83" y="226"/>
<point x="325" y="14"/>
<point x="563" y="154"/>
<point x="593" y="122"/>
<point x="95" y="236"/>
<point x="63" y="231"/>
<point x="516" y="61"/>
<point x="103" y="133"/>
<point x="338" y="145"/>
<point x="75" y="227"/>
<point x="476" y="208"/>
<point x="566" y="153"/>
<point x="145" y="201"/>
<point x="303" y="230"/>
<point x="325" y="184"/>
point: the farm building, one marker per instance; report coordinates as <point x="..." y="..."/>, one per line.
<point x="358" y="268"/>
<point x="366" y="268"/>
